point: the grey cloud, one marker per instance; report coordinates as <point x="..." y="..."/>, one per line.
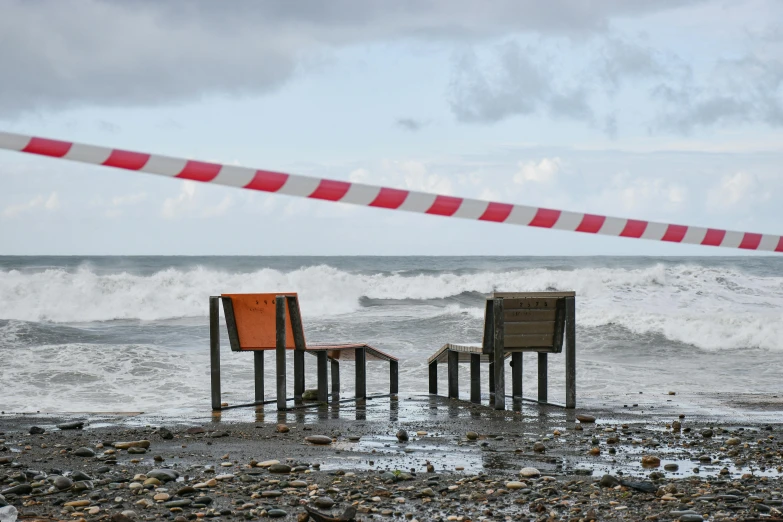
<point x="622" y="59"/>
<point x="68" y="53"/>
<point x="410" y="124"/>
<point x="515" y="85"/>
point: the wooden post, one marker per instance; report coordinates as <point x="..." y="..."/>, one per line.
<point x="258" y="369"/>
<point x="453" y="365"/>
<point x="542" y="377"/>
<point x="475" y="378"/>
<point x="335" y="379"/>
<point x="361" y="373"/>
<point x="214" y="350"/>
<point x="433" y="377"/>
<point x="570" y="362"/>
<point x="323" y="380"/>
<point x="394" y="377"/>
<point x="280" y="351"/>
<point x="516" y="374"/>
<point x="299" y="347"/>
<point x="499" y="352"/>
<point x="491" y="381"/>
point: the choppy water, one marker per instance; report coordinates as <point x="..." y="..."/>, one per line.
<point x="130" y="333"/>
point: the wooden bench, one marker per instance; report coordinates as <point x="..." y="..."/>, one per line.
<point x="514" y="323"/>
<point x="262" y="322"/>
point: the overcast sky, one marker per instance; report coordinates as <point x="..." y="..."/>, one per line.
<point x="663" y="110"/>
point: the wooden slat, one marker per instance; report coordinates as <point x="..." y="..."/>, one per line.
<point x="526" y="341"/>
<point x="542" y="327"/>
<point x="513" y="295"/>
<point x="535" y="303"/>
<point x="516" y="316"/>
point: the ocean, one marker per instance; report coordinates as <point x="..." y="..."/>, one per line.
<point x="106" y="334"/>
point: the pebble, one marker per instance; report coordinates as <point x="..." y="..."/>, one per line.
<point x="280" y="468"/>
<point x="472" y="435"/>
<point x="608" y="481"/>
<point x="515" y="485"/>
<point x="37" y="430"/>
<point x="671" y="467"/>
<point x="529" y="472"/>
<point x="161" y="496"/>
<point x="539" y="447"/>
<point x="80" y="475"/>
<point x="132" y="444"/>
<point x="320" y="440"/>
<point x="84" y="452"/>
<point x="271" y="493"/>
<point x="63" y="483"/>
<point x="733" y="441"/>
<point x="75" y="425"/>
<point x="178" y="503"/>
<point x="163" y="474"/>
<point x="136" y="451"/>
<point x="324" y="502"/>
<point x="165" y="434"/>
<point x="586" y="419"/>
<point x="77" y="503"/>
<point x="282" y="428"/>
<point x="650" y="461"/>
<point x="267" y="463"/>
<point x="276" y="513"/>
<point x="707" y="434"/>
<point x="402" y="436"/>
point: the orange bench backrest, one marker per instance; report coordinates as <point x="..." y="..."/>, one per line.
<point x="255" y="320"/>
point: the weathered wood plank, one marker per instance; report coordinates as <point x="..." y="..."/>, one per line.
<point x="489" y="320"/>
<point x="231" y="324"/>
<point x="453" y="372"/>
<point x="394" y="377"/>
<point x="475" y="378"/>
<point x="518" y="295"/>
<point x="570" y="355"/>
<point x="335" y="379"/>
<point x="542" y="327"/>
<point x="214" y="351"/>
<point x="516" y="375"/>
<point x="280" y="320"/>
<point x="258" y="370"/>
<point x="499" y="344"/>
<point x="433" y="370"/>
<point x="543" y="382"/>
<point x="361" y="373"/>
<point x="527" y="341"/>
<point x="530" y="303"/>
<point x="322" y="376"/>
<point x="528" y="315"/>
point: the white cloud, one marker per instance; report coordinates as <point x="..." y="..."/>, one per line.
<point x="639" y="195"/>
<point x="735" y="190"/>
<point x="49" y="203"/>
<point x="129" y="199"/>
<point x="219" y="209"/>
<point x="542" y="172"/>
<point x="182" y="203"/>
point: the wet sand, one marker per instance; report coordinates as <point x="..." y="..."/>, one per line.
<point x="722" y="461"/>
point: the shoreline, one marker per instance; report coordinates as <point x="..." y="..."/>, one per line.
<point x="363" y="464"/>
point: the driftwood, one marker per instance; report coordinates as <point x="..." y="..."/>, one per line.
<point x="349" y="515"/>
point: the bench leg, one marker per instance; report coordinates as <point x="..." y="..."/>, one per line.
<point x="323" y="381"/>
<point x="214" y="351"/>
<point x="542" y="377"/>
<point x="335" y="379"/>
<point x="433" y="378"/>
<point x="570" y="362"/>
<point x="394" y="377"/>
<point x="361" y="373"/>
<point x="299" y="375"/>
<point x="475" y="378"/>
<point x="516" y="374"/>
<point x="453" y="362"/>
<point x="280" y="327"/>
<point x="258" y="369"/>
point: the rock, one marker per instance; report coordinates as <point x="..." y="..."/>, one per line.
<point x="165" y="434"/>
<point x="267" y="463"/>
<point x="319" y="439"/>
<point x="203" y="500"/>
<point x="585" y="419"/>
<point x="195" y="430"/>
<point x="136" y="451"/>
<point x="63" y="483"/>
<point x="82" y="485"/>
<point x="734" y="441"/>
<point x="277" y="513"/>
<point x="608" y="481"/>
<point x="691" y="517"/>
<point x="282" y="428"/>
<point x="472" y="435"/>
<point x="77" y="503"/>
<point x="515" y="485"/>
<point x="178" y="503"/>
<point x="707" y="434"/>
<point x="402" y="436"/>
<point x="594" y="451"/>
<point x="187" y="490"/>
<point x="529" y="472"/>
<point x="271" y="493"/>
<point x="122" y="517"/>
<point x="676" y="426"/>
<point x="80" y="475"/>
<point x="539" y="447"/>
<point x="75" y="425"/>
<point x="152" y="481"/>
<point x="324" y="502"/>
<point x="644" y="487"/>
<point x="280" y="468"/>
<point x="161" y="497"/>
<point x="310" y="395"/>
<point x="650" y="461"/>
<point x="84" y="452"/>
<point x="20" y="489"/>
<point x="671" y="467"/>
<point x="163" y="474"/>
<point x="132" y="444"/>
<point x="35" y="430"/>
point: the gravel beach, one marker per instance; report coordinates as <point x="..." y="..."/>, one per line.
<point x="412" y="458"/>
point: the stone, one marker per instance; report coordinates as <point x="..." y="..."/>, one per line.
<point x="585" y="419"/>
<point x="539" y="447"/>
<point x="529" y="472"/>
<point x="187" y="490"/>
<point x="671" y="467"/>
<point x="594" y="451"/>
<point x="122" y="517"/>
<point x="132" y="444"/>
<point x="276" y="513"/>
<point x="650" y="461"/>
<point x="267" y="463"/>
<point x="152" y="481"/>
<point x="77" y="503"/>
<point x="163" y="474"/>
<point x="297" y="484"/>
<point x="84" y="452"/>
<point x="515" y="485"/>
<point x="734" y="441"/>
<point x="319" y="439"/>
<point x="195" y="430"/>
<point x="324" y="502"/>
<point x="691" y="517"/>
<point x="271" y="493"/>
<point x="472" y="435"/>
<point x="707" y="434"/>
<point x="282" y="428"/>
<point x="75" y="425"/>
<point x="20" y="489"/>
<point x="280" y="468"/>
<point x="136" y="451"/>
<point x="402" y="436"/>
<point x="644" y="487"/>
<point x="204" y="500"/>
<point x="82" y="485"/>
<point x="63" y="483"/>
<point x="310" y="395"/>
<point x="161" y="497"/>
<point x="80" y="475"/>
<point x="178" y="503"/>
<point x="165" y="434"/>
<point x="608" y="481"/>
<point x="36" y="430"/>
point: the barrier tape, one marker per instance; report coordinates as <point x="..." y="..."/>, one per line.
<point x="389" y="198"/>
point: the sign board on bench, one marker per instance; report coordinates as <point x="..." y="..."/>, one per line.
<point x="250" y="319"/>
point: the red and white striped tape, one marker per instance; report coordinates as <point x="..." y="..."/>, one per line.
<point x="390" y="198"/>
